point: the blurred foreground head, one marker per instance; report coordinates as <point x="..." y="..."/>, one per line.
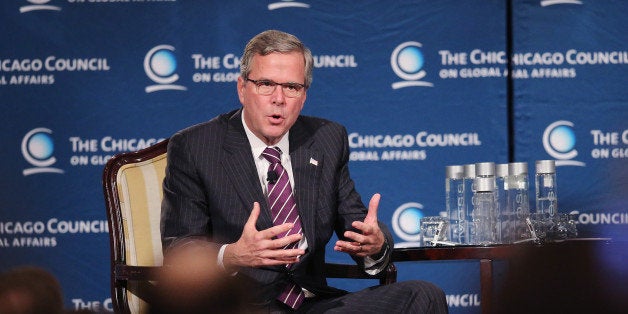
<point x="191" y="282"/>
<point x="30" y="290"/>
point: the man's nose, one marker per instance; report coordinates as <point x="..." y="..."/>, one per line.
<point x="278" y="96"/>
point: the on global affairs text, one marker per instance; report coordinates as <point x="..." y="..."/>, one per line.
<point x="28" y="242"/>
<point x="25" y="79"/>
<point x="389" y="155"/>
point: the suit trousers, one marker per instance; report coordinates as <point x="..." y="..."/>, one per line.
<point x="413" y="296"/>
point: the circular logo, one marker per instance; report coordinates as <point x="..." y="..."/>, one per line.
<point x="163" y="63"/>
<point x="406" y="221"/>
<point x="559" y="140"/>
<point x="407" y="61"/>
<point x="40" y="146"/>
<point x="562" y="139"/>
<point x="160" y="64"/>
<point x="37" y="147"/>
<point x="410" y="60"/>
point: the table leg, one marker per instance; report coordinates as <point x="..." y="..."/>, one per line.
<point x="486" y="284"/>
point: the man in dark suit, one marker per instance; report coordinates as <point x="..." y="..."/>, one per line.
<point x="217" y="183"/>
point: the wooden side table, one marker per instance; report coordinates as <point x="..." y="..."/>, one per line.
<point x="515" y="253"/>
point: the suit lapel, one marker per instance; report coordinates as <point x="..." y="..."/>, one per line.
<point x="241" y="170"/>
<point x="306" y="165"/>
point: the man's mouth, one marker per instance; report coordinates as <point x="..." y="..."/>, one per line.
<point x="276" y="118"/>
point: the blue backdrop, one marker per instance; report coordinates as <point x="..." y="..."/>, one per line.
<point x="419" y="85"/>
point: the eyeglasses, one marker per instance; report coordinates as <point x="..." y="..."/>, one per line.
<point x="267" y="87"/>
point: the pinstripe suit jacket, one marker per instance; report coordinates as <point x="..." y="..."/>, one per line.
<point x="211" y="183"/>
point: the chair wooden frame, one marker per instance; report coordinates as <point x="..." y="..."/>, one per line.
<point x="122" y="273"/>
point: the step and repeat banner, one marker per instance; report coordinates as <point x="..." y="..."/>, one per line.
<point x="419" y="85"/>
<point x="571" y="105"/>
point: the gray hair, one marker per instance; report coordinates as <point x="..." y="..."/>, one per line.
<point x="271" y="41"/>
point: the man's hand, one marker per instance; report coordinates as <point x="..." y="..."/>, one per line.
<point x="258" y="248"/>
<point x="370" y="240"/>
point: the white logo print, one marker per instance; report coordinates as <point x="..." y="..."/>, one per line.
<point x="559" y="141"/>
<point x="38" y="5"/>
<point x="406" y="223"/>
<point x="160" y="66"/>
<point x="287" y="4"/>
<point x="545" y="3"/>
<point x="37" y="149"/>
<point x="407" y="62"/>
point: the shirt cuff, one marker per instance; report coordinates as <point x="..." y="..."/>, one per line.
<point x="220" y="263"/>
<point x="375" y="266"/>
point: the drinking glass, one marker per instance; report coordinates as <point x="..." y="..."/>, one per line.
<point x="560" y="226"/>
<point x="541" y="224"/>
<point x="572" y="228"/>
<point x="433" y="230"/>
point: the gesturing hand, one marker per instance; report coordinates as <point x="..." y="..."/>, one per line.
<point x="258" y="248"/>
<point x="370" y="239"/>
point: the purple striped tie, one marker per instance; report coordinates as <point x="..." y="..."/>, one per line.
<point x="284" y="210"/>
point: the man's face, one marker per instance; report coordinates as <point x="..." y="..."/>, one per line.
<point x="270" y="117"/>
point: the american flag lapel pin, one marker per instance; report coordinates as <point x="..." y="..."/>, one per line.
<point x="313" y="161"/>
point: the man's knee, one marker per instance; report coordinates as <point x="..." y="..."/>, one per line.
<point x="422" y="286"/>
<point x="425" y="295"/>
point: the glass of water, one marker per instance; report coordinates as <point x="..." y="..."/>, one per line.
<point x="433" y="230"/>
<point x="541" y="225"/>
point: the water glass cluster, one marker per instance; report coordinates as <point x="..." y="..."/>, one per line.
<point x="488" y="203"/>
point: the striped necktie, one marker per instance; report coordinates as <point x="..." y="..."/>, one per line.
<point x="284" y="210"/>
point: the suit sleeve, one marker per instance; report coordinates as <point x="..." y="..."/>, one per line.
<point x="351" y="208"/>
<point x="184" y="214"/>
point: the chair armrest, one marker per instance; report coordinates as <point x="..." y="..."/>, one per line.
<point x="386" y="276"/>
<point x="136" y="273"/>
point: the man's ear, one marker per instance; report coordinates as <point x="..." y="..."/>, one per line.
<point x="240" y="87"/>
